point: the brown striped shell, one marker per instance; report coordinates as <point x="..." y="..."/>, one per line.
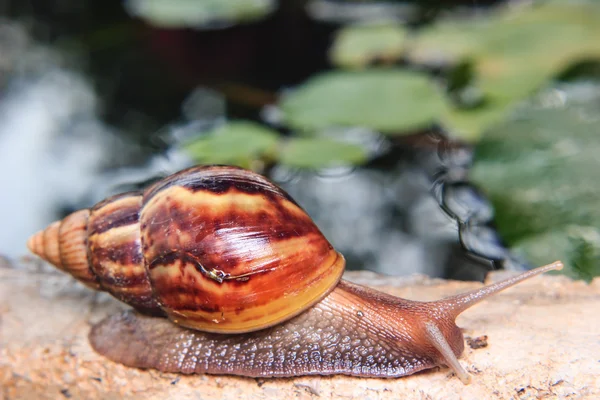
<point x="214" y="248"/>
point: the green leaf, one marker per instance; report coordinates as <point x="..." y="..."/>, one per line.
<point x="318" y="152"/>
<point x="577" y="246"/>
<point x="541" y="171"/>
<point x="393" y="101"/>
<point x="547" y="31"/>
<point x="447" y="42"/>
<point x="199" y="13"/>
<point x="514" y="51"/>
<point x="236" y="142"/>
<point x="356" y="46"/>
<point x="469" y="124"/>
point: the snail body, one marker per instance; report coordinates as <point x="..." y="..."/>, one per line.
<point x="248" y="283"/>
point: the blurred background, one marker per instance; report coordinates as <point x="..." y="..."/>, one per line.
<point x="445" y="138"/>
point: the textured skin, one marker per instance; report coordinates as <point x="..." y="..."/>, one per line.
<point x="353" y="331"/>
<point x="215" y="248"/>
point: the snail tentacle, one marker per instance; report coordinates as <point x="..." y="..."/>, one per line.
<point x="455" y="305"/>
<point x="437" y="339"/>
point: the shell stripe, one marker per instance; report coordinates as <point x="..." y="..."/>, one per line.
<point x="73" y="248"/>
<point x="51" y="247"/>
<point x="244" y="316"/>
<point x="116" y="211"/>
<point x="115" y="253"/>
<point x="205" y="228"/>
<point x="219" y="180"/>
<point x="228" y="231"/>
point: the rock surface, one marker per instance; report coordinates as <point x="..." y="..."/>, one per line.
<point x="543" y="341"/>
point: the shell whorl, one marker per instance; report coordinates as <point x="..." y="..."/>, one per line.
<point x="218" y="249"/>
<point x="64" y="244"/>
<point x="101" y="248"/>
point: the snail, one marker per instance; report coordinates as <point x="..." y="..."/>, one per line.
<point x="248" y="285"/>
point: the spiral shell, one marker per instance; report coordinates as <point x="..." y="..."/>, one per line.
<point x="214" y="248"/>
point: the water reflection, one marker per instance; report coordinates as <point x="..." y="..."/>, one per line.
<point x="57" y="155"/>
<point x="52" y="145"/>
<point x="373" y="217"/>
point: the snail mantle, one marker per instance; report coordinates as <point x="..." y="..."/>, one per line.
<point x="45" y="319"/>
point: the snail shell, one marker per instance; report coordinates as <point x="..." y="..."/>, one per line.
<point x="222" y="250"/>
<point x="217" y="248"/>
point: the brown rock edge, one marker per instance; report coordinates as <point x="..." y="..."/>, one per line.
<point x="543" y="341"/>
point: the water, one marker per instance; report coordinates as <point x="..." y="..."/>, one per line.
<point x="62" y="148"/>
<point x="52" y="144"/>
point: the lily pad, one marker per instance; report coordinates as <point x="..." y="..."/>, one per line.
<point x="319" y="152"/>
<point x="514" y="51"/>
<point x="199" y="13"/>
<point x="540" y="172"/>
<point x="470" y="123"/>
<point x="539" y="32"/>
<point x="447" y="42"/>
<point x="356" y="46"/>
<point x="393" y="101"/>
<point x="243" y="142"/>
<point x="235" y="142"/>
